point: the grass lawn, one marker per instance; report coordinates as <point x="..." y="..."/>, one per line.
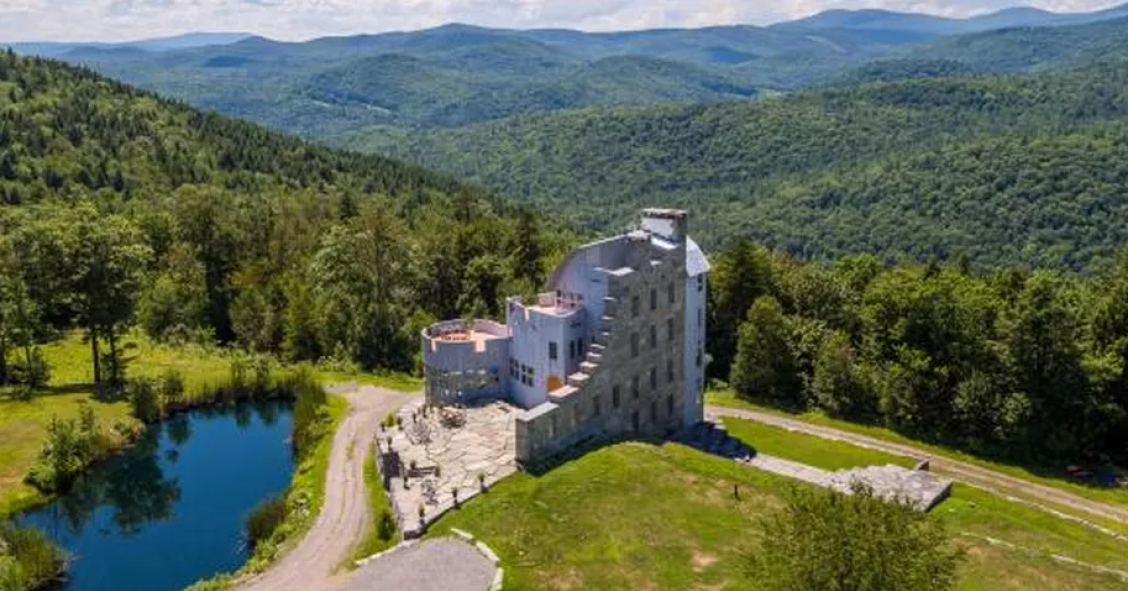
<point x="806" y="449"/>
<point x="378" y="502"/>
<point x="973" y="513"/>
<point x="1096" y="493"/>
<point x="637" y="516"/>
<point x="23" y="424"/>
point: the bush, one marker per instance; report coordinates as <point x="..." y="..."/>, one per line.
<point x="62" y="458"/>
<point x="142" y="396"/>
<point x="34" y="374"/>
<point x="37" y="560"/>
<point x="311" y="413"/>
<point x="265" y="519"/>
<point x="171" y="388"/>
<point x="386" y="527"/>
<point x="12" y="577"/>
<point x="827" y="540"/>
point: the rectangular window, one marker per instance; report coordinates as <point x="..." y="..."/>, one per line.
<point x="653" y="299"/>
<point x="670" y="405"/>
<point x="671" y="294"/>
<point x="634" y="387"/>
<point x="571" y="350"/>
<point x="699" y="358"/>
<point x="552" y="350"/>
<point x="634" y="306"/>
<point x="634" y="344"/>
<point x="653" y="378"/>
<point x="653" y="337"/>
<point x="595" y="410"/>
<point x="653" y="412"/>
<point x="615" y="396"/>
<point x="670" y="371"/>
<point x="701" y="282"/>
<point x="670" y="329"/>
<point x="634" y="421"/>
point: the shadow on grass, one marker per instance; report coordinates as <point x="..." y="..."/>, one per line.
<point x="1099" y="476"/>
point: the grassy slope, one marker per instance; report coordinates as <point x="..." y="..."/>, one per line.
<point x="635" y="516"/>
<point x="808" y="450"/>
<point x="1040" y="476"/>
<point x="378" y="502"/>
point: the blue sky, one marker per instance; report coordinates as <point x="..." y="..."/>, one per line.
<point x="115" y="20"/>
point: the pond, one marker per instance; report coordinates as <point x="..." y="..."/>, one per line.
<point x="169" y="511"/>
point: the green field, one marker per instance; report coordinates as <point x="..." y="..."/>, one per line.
<point x="637" y="516"/>
<point x="805" y="449"/>
<point x="1040" y="476"/>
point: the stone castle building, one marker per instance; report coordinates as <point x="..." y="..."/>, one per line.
<point x="615" y="348"/>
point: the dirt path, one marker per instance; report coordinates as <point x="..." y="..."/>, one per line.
<point x="309" y="566"/>
<point x="996" y="482"/>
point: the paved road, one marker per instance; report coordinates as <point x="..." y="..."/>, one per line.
<point x="445" y="564"/>
<point x="309" y="566"/>
<point x="984" y="478"/>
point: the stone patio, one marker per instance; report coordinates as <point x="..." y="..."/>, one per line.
<point x="438" y="459"/>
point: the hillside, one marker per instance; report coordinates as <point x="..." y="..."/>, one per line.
<point x="460" y="74"/>
<point x="196" y="227"/>
<point x="1024" y="170"/>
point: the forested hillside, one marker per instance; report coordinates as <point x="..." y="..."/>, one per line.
<point x="1028" y="366"/>
<point x="1026" y="170"/>
<point x="119" y="206"/>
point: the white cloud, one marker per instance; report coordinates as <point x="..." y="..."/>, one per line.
<point x="90" y="20"/>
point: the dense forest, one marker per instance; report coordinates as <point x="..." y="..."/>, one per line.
<point x="123" y="209"/>
<point x="1026" y="366"/>
<point x="1017" y="170"/>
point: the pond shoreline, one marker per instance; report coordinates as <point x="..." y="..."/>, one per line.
<point x="186" y="481"/>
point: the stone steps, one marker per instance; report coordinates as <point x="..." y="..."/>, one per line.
<point x="588" y="367"/>
<point x="594" y="357"/>
<point x="578" y="379"/>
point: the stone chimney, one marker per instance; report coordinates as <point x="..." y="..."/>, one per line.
<point x="669" y="224"/>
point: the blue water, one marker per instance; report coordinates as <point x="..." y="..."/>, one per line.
<point x="170" y="510"/>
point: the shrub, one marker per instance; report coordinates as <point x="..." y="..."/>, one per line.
<point x="386" y="527"/>
<point x="33" y="373"/>
<point x="38" y="561"/>
<point x="171" y="388"/>
<point x="12" y="577"/>
<point x="828" y="540"/>
<point x="262" y="378"/>
<point x="311" y="413"/>
<point x="265" y="519"/>
<point x="63" y="456"/>
<point x="142" y="396"/>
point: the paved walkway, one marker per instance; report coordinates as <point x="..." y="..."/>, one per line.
<point x="444" y="564"/>
<point x="990" y="480"/>
<point x="446" y="458"/>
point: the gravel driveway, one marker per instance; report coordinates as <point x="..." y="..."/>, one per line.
<point x="310" y="566"/>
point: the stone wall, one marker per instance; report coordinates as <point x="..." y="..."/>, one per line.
<point x="631" y="384"/>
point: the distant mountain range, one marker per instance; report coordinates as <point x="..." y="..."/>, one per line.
<point x="158" y="44"/>
<point x="928" y="25"/>
<point x="888" y="139"/>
